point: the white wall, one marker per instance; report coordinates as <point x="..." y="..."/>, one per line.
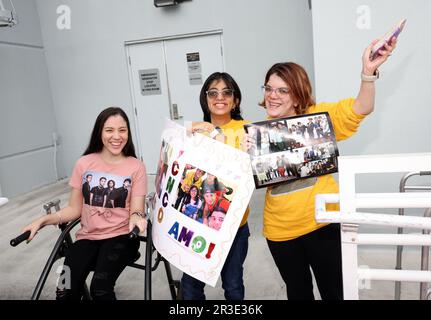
<point x="87" y="65"/>
<point x="401" y="120"/>
<point x="27" y="115"/>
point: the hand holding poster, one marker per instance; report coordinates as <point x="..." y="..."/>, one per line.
<point x="203" y="189"/>
<point x="292" y="148"/>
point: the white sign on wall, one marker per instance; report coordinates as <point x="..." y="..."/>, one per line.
<point x="195" y="68"/>
<point x="150" y="82"/>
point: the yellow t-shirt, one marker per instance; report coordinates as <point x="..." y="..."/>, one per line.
<point x="289" y="208"/>
<point x="234" y="133"/>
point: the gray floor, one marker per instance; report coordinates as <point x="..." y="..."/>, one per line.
<point x="21" y="266"/>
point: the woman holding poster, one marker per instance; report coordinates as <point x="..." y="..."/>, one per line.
<point x="296" y="241"/>
<point x="220" y="100"/>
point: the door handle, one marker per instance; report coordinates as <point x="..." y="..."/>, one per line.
<point x="174" y="112"/>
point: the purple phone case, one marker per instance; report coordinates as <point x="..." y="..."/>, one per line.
<point x="396" y="33"/>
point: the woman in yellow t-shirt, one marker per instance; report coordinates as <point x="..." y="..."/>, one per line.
<point x="296" y="241"/>
<point x="220" y="100"/>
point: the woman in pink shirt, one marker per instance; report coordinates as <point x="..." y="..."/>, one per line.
<point x="103" y="244"/>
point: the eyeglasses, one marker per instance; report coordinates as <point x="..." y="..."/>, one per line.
<point x="225" y="93"/>
<point x="281" y="92"/>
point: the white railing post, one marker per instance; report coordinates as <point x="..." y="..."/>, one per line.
<point x="349" y="218"/>
<point x="349" y="233"/>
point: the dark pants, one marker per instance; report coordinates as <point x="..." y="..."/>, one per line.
<point x="180" y="197"/>
<point x="107" y="258"/>
<point x="231" y="274"/>
<point x="320" y="250"/>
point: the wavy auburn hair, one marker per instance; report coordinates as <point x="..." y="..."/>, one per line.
<point x="298" y="83"/>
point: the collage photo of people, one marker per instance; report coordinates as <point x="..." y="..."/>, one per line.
<point x="105" y="190"/>
<point x="292" y="148"/>
<point x="203" y="197"/>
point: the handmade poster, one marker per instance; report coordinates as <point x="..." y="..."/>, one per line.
<point x="288" y="149"/>
<point x="203" y="188"/>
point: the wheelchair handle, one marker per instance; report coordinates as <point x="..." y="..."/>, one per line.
<point x="134" y="233"/>
<point x="22" y="237"/>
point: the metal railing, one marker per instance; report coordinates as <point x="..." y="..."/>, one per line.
<point x="425" y="249"/>
<point x="350" y="218"/>
<point x="350" y="222"/>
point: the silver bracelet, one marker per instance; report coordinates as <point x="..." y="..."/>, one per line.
<point x="145" y="215"/>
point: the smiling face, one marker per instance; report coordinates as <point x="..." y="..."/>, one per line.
<point x="216" y="220"/>
<point x="193" y="192"/>
<point x="114" y="135"/>
<point x="223" y="102"/>
<point x="209" y="198"/>
<point x="278" y="105"/>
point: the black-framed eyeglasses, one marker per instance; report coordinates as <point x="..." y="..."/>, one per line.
<point x="281" y="92"/>
<point x="225" y="93"/>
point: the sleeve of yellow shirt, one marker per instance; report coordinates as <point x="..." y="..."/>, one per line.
<point x="344" y="119"/>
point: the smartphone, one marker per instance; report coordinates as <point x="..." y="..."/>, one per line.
<point x="394" y="32"/>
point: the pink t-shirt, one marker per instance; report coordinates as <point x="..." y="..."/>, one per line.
<point x="107" y="190"/>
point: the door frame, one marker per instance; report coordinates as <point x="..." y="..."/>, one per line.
<point x="129" y="43"/>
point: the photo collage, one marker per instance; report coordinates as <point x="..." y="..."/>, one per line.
<point x="203" y="197"/>
<point x="292" y="148"/>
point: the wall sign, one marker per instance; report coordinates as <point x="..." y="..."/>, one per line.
<point x="150" y="82"/>
<point x="195" y="68"/>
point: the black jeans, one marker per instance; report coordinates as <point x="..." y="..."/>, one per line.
<point x="320" y="250"/>
<point x="107" y="258"/>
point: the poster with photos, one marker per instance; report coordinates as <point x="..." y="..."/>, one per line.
<point x="203" y="188"/>
<point x="288" y="149"/>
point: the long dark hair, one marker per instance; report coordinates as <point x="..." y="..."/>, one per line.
<point x="231" y="84"/>
<point x="188" y="198"/>
<point x="96" y="145"/>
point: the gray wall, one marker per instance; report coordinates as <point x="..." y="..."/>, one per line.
<point x="87" y="71"/>
<point x="27" y="115"/>
<point x="401" y="120"/>
<point x="87" y="64"/>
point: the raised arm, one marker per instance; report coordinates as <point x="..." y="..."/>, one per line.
<point x="364" y="103"/>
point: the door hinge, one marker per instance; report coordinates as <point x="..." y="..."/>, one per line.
<point x="136" y="112"/>
<point x="130" y="61"/>
<point x="221" y="50"/>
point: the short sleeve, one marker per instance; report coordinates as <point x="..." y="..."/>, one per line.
<point x="139" y="182"/>
<point x="76" y="176"/>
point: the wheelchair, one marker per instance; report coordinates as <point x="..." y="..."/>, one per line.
<point x="65" y="241"/>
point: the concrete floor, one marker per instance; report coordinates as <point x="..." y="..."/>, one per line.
<point x="20" y="267"/>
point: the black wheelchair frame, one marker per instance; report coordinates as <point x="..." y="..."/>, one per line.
<point x="65" y="241"/>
